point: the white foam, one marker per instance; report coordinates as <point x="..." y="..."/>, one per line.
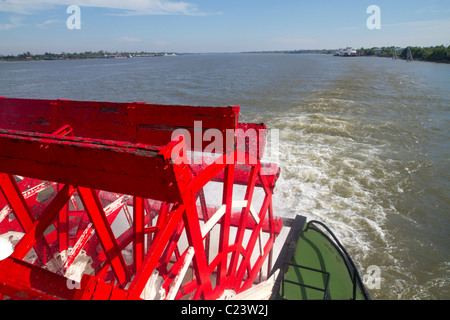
<point x="330" y="173"/>
<point x="6" y="248"/>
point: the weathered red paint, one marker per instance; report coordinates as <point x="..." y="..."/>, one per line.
<point x="69" y="168"/>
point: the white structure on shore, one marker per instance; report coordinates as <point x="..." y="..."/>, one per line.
<point x="347" y="52"/>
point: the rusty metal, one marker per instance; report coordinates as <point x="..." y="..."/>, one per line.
<point x="106" y="190"/>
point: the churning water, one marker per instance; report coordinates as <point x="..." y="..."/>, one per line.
<point x="364" y="143"/>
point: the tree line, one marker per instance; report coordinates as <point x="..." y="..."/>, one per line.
<point x="72" y="56"/>
<point x="435" y="54"/>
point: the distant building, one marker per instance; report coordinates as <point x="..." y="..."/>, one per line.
<point x="347" y="52"/>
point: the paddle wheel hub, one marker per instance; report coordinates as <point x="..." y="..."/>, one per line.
<point x="104" y="200"/>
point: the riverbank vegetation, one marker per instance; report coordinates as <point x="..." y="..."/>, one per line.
<point x="433" y="54"/>
<point x="82" y="55"/>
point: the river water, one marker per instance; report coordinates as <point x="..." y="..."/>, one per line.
<point x="364" y="142"/>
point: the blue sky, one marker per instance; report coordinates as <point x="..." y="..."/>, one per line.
<point x="40" y="26"/>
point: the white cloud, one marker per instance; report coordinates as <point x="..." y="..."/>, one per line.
<point x="129" y="7"/>
<point x="14" y="22"/>
<point x="43" y="24"/>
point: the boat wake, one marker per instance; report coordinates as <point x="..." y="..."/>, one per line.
<point x="333" y="174"/>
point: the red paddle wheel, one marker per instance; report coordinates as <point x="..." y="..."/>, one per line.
<point x="112" y="201"/>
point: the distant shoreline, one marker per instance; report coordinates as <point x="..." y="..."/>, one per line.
<point x="438" y="54"/>
<point x="27" y="56"/>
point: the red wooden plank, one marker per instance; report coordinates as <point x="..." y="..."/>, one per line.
<point x="95" y="211"/>
<point x="155" y="251"/>
<point x="86" y="230"/>
<point x="138" y="225"/>
<point x="243" y="222"/>
<point x="103" y="165"/>
<point x="16" y="200"/>
<point x="251" y="138"/>
<point x="227" y="198"/>
<point x="118" y="294"/>
<point x="195" y="239"/>
<point x="171" y="247"/>
<point x="245" y="263"/>
<point x="257" y="266"/>
<point x="102" y="291"/>
<point x="134" y="122"/>
<point x="270" y="172"/>
<point x="63" y="228"/>
<point x="28" y="115"/>
<point x="21" y="280"/>
<point x="38" y="228"/>
<point x="23" y="213"/>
